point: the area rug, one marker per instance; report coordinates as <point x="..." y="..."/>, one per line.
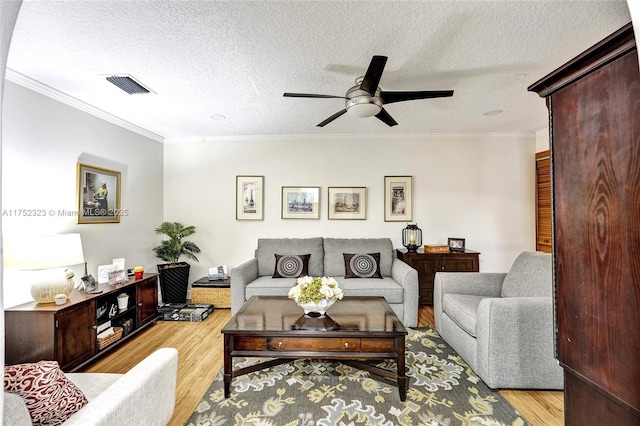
<point x="443" y="391"/>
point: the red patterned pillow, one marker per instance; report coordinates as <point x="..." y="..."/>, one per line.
<point x="50" y="397"/>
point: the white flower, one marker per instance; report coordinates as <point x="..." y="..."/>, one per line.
<point x="309" y="289"/>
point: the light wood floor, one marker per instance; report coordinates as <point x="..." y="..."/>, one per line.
<point x="200" y="358"/>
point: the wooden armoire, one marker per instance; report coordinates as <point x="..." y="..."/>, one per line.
<point x="594" y="106"/>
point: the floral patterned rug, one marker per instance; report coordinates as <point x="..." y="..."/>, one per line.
<point x="443" y="391"/>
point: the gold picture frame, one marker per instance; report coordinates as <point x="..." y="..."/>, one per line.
<point x="98" y="194"/>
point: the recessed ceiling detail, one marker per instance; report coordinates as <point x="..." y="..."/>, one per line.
<point x="128" y="84"/>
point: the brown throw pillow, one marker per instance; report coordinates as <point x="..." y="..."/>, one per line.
<point x="291" y="266"/>
<point x="51" y="398"/>
<point x="362" y="265"/>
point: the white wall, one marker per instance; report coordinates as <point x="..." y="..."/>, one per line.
<point x="478" y="188"/>
<point x="42" y="141"/>
<point x="542" y="140"/>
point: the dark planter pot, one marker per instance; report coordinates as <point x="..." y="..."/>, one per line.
<point x="174" y="281"/>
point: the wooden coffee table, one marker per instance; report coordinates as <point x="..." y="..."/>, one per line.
<point x="275" y="327"/>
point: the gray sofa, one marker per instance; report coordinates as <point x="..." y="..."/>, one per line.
<point x="501" y="324"/>
<point x="144" y="396"/>
<point x="399" y="283"/>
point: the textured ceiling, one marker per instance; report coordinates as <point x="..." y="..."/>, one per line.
<point x="237" y="58"/>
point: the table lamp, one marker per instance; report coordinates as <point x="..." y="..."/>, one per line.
<point x="48" y="255"/>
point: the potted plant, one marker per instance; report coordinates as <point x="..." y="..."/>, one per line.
<point x="174" y="275"/>
<point x="123" y="301"/>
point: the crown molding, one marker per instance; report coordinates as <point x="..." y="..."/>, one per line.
<point x="41" y="88"/>
<point x="38" y="87"/>
<point x="354" y="137"/>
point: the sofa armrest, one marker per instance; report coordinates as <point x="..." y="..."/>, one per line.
<point x="515" y="343"/>
<point x="241" y="276"/>
<point x="407" y="277"/>
<point x="15" y="411"/>
<point x="145" y="395"/>
<point x="487" y="284"/>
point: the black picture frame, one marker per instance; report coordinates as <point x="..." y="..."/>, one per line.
<point x="89" y="283"/>
<point x="456" y="244"/>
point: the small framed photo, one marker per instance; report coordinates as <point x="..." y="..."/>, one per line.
<point x="346" y="202"/>
<point x="456" y="244"/>
<point x="301" y="202"/>
<point x="98" y="193"/>
<point x="89" y="283"/>
<point x="397" y="198"/>
<point x="249" y="197"/>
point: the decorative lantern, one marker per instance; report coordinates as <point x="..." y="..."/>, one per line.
<point x="412" y="237"/>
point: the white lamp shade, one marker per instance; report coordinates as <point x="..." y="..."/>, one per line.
<point x="29" y="253"/>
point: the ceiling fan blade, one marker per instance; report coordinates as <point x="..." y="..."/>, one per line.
<point x="330" y="119"/>
<point x="391" y="97"/>
<point x="310" y="95"/>
<point x="373" y="75"/>
<point x="384" y="116"/>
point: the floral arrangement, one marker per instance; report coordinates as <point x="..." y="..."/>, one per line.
<point x="308" y="289"/>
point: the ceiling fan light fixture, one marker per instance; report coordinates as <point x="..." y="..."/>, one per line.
<point x="363" y="110"/>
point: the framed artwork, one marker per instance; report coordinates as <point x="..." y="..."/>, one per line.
<point x="98" y="193"/>
<point x="397" y="198"/>
<point x="346" y="202"/>
<point x="300" y="202"/>
<point x="456" y="244"/>
<point x="249" y="197"/>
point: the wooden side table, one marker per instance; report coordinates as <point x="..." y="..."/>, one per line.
<point x="216" y="293"/>
<point x="427" y="264"/>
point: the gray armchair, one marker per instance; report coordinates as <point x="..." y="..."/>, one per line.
<point x="501" y="324"/>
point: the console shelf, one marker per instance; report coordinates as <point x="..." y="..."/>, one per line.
<point x="68" y="333"/>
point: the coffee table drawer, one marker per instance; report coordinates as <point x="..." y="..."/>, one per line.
<point x="313" y="344"/>
<point x="241" y="343"/>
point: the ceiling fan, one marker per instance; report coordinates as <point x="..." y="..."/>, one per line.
<point x="366" y="99"/>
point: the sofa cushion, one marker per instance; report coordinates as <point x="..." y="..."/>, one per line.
<point x="335" y="247"/>
<point x="462" y="308"/>
<point x="530" y="276"/>
<point x="291" y="266"/>
<point x="386" y="287"/>
<point x="267" y="286"/>
<point x="269" y="247"/>
<point x="50" y="397"/>
<point x="362" y="265"/>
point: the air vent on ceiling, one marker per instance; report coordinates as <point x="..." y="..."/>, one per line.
<point x="128" y="84"/>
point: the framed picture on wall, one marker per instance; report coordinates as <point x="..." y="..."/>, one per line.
<point x="300" y="202"/>
<point x="249" y="197"/>
<point x="98" y="194"/>
<point x="398" y="193"/>
<point x="347" y="202"/>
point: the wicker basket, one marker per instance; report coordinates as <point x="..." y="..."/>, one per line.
<point x="219" y="297"/>
<point x="106" y="341"/>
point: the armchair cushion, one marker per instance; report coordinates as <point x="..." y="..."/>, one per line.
<point x="462" y="309"/>
<point x="530" y="276"/>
